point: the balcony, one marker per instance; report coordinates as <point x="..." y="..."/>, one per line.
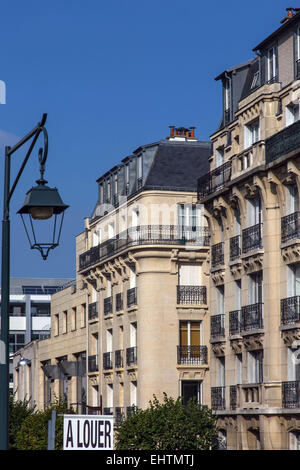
<point x="252" y="317"/>
<point x="131" y="356"/>
<point x="191" y="295"/>
<point x="189" y="355"/>
<point x="93" y="363"/>
<point x="252" y="238"/>
<point x="214" y="180"/>
<point x="233" y="397"/>
<point x="131" y="297"/>
<point x="107" y="360"/>
<point x="217" y="326"/>
<point x="283" y="142"/>
<point x="290" y="310"/>
<point x="93" y="311"/>
<point x="108" y="305"/>
<point x="144" y="235"/>
<point x="290" y="227"/>
<point x="291" y="394"/>
<point x="218" y="398"/>
<point x="217" y="254"/>
<point x="234" y="322"/>
<point x="119" y="359"/>
<point x="235" y="247"/>
<point x="119" y="302"/>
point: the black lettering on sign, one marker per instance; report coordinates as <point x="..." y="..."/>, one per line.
<point x="107" y="434"/>
<point x="93" y="433"/>
<point x="100" y="433"/>
<point x="86" y="433"/>
<point x="69" y="434"/>
<point x="79" y="444"/>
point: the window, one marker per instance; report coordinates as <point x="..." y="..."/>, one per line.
<point x="255" y="288"/>
<point x="191" y="389"/>
<point x="292" y="113"/>
<point x="252" y="133"/>
<point x="189" y="274"/>
<point x="254" y="211"/>
<point x="40" y="335"/>
<point x="17" y="309"/>
<point x="189" y="219"/>
<point x="255" y="366"/>
<point x="56" y="325"/>
<point x="221" y="371"/>
<point x="40" y="310"/>
<point x="73" y="319"/>
<point x="16" y="341"/>
<point x="219" y="156"/>
<point x="272" y="64"/>
<point x="255" y="81"/>
<point x="297" y="53"/>
<point x="220" y="300"/>
<point x="294" y="440"/>
<point x="239" y="368"/>
<point x="292" y="199"/>
<point x="65" y="322"/>
<point x="190" y="333"/>
<point x="293" y="280"/>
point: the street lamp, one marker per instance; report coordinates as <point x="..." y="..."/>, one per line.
<point x="41" y="203"/>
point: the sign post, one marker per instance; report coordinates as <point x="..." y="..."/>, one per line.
<point x="88" y="432"/>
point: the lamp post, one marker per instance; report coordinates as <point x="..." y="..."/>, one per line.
<point x="41" y="203"/>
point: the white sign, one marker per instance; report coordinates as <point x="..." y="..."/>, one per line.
<point x="86" y="432"/>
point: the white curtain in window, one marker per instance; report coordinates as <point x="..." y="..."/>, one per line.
<point x="189" y="275"/>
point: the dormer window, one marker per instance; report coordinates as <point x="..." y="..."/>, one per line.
<point x="272" y="65"/>
<point x="255" y="81"/>
<point x="227" y="100"/>
<point x="297" y="53"/>
<point x="219" y="156"/>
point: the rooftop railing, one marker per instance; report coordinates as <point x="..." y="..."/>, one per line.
<point x="145" y="235"/>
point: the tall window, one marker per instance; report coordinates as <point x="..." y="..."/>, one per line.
<point x="252" y="133"/>
<point x="255" y="366"/>
<point x="255" y="288"/>
<point x="272" y="64"/>
<point x="292" y="199"/>
<point x="293" y="280"/>
<point x="189" y="219"/>
<point x="219" y="156"/>
<point x="190" y="333"/>
<point x="292" y="113"/>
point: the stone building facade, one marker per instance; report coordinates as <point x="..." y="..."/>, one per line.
<point x="136" y="323"/>
<point x="251" y="199"/>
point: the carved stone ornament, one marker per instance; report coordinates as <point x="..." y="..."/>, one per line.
<point x="218" y="276"/>
<point x="253" y="263"/>
<point x="109" y="377"/>
<point x="192" y="374"/>
<point x="133" y="375"/>
<point x="120" y="376"/>
<point x="218" y="349"/>
<point x="237" y="345"/>
<point x="94" y="380"/>
<point x="291" y="253"/>
<point x="252" y="191"/>
<point x="290" y="336"/>
<point x="254" y="341"/>
<point x="236" y="269"/>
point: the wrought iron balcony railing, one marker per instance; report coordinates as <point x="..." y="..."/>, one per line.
<point x="131" y="356"/>
<point x="107" y="360"/>
<point x="93" y="363"/>
<point x="235" y="247"/>
<point x="283" y="142"/>
<point x="108" y="305"/>
<point x="214" y="180"/>
<point x="234" y="322"/>
<point x="233" y="396"/>
<point x="192" y="355"/>
<point x="217" y="254"/>
<point x="291" y="394"/>
<point x="290" y="310"/>
<point x="93" y="311"/>
<point x="217" y="326"/>
<point x="131" y="297"/>
<point x="119" y="358"/>
<point x="119" y="301"/>
<point x="218" y="398"/>
<point x="252" y="317"/>
<point x="193" y="295"/>
<point x="252" y="238"/>
<point x="145" y="235"/>
<point x="290" y="227"/>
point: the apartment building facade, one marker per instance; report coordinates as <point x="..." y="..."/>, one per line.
<point x="138" y="319"/>
<point x="251" y="200"/>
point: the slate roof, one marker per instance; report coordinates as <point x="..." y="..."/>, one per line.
<point x="254" y="68"/>
<point x="177" y="165"/>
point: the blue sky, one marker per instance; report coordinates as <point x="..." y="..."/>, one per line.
<point x="111" y="75"/>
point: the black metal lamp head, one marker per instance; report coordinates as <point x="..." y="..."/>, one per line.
<point x="42" y="203"/>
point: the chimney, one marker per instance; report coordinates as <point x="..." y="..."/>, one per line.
<point x="183" y="134"/>
<point x="289" y="15"/>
